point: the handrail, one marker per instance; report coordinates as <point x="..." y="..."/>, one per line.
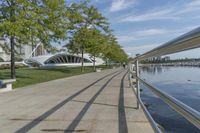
<point x="154" y="125"/>
<point x="190" y="40"/>
<point x="187" y="112"/>
<point x="187" y="41"/>
<point x="146" y="112"/>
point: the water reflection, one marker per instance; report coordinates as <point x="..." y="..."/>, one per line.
<point x="181" y="82"/>
<point x="152" y="70"/>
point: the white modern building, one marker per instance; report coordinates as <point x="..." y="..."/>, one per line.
<point x="23" y="52"/>
<point x="61" y="59"/>
<point x="3" y="55"/>
<point x="39" y="57"/>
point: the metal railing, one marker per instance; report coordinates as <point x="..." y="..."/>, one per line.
<point x="187" y="41"/>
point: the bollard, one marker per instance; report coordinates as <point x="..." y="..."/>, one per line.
<point x="137" y="84"/>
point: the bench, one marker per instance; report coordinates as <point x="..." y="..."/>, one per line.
<point x="98" y="69"/>
<point x="6" y="85"/>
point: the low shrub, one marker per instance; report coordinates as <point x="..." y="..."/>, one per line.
<point x="1" y="60"/>
<point x="7" y="66"/>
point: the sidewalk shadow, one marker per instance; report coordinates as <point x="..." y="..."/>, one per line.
<point x="72" y="126"/>
<point x="105" y="104"/>
<point x="121" y="109"/>
<point x="37" y="120"/>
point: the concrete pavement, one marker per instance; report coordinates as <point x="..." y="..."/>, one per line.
<point x="89" y="103"/>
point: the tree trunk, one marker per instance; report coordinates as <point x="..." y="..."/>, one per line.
<point x="32" y="45"/>
<point x="94" y="65"/>
<point x="106" y="62"/>
<point x="109" y="63"/>
<point x="12" y="43"/>
<point x="82" y="59"/>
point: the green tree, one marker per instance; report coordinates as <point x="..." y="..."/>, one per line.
<point x="23" y="21"/>
<point x="113" y="52"/>
<point x="84" y="17"/>
<point x="82" y="40"/>
<point x="96" y="45"/>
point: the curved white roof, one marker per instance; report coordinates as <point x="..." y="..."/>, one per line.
<point x="62" y="59"/>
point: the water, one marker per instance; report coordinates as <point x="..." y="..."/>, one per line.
<point x="182" y="83"/>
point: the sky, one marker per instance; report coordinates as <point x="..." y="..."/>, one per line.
<point x="141" y="25"/>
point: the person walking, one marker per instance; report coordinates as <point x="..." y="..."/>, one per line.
<point x="124" y="65"/>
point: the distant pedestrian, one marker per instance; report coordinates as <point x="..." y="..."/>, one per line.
<point x="1" y="84"/>
<point x="124" y="65"/>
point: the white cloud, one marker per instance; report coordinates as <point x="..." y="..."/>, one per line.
<point x="142" y="34"/>
<point x="118" y="5"/>
<point x="164" y="13"/>
<point x="126" y="38"/>
<point x="152" y="15"/>
<point x="151" y="32"/>
<point x="98" y="1"/>
<point x="189" y="28"/>
<point x="194" y="3"/>
<point x="140" y="49"/>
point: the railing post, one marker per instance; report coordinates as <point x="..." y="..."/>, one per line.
<point x="129" y="76"/>
<point x="137" y="83"/>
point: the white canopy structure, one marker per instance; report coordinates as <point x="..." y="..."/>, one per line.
<point x="61" y="59"/>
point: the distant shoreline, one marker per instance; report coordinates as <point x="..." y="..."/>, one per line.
<point x="192" y="64"/>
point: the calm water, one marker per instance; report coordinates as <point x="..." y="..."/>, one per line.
<point x="182" y="83"/>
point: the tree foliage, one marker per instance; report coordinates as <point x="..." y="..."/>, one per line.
<point x="23" y="21"/>
<point x="86" y="19"/>
<point x="28" y="22"/>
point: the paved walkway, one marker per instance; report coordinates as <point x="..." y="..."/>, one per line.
<point x="89" y="103"/>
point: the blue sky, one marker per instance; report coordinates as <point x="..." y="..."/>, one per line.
<point x="141" y="25"/>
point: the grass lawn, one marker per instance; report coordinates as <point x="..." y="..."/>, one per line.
<point x="28" y="76"/>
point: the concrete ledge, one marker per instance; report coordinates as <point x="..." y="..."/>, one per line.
<point x="98" y="69"/>
<point x="6" y="85"/>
